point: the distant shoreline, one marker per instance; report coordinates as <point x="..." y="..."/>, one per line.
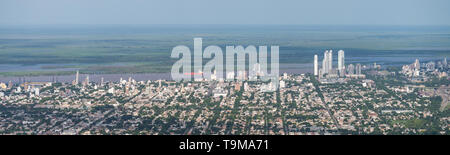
<point x="111" y="77"/>
<point x="67" y="76"/>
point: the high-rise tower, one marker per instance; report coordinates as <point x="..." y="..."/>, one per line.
<point x="358" y="69"/>
<point x="86" y="81"/>
<point x="351" y="69"/>
<point x="325" y="63"/>
<point x="76" y="77"/>
<point x="341" y="62"/>
<point x="330" y="61"/>
<point x="316" y="65"/>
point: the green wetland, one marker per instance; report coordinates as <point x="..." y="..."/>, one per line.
<point x="60" y="50"/>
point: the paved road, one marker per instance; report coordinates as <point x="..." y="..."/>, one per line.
<point x="444" y="93"/>
<point x="331" y="115"/>
<point x="329" y="111"/>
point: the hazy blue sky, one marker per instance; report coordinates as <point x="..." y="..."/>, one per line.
<point x="308" y="12"/>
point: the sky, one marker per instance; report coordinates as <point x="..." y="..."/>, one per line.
<point x="233" y="12"/>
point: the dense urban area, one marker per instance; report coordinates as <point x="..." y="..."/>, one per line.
<point x="350" y="99"/>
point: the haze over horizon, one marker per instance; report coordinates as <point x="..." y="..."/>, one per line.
<point x="232" y="12"/>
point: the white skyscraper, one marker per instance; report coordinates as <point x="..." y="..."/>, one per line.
<point x="330" y="61"/>
<point x="316" y="65"/>
<point x="358" y="69"/>
<point x="86" y="81"/>
<point x="351" y="69"/>
<point x="325" y="63"/>
<point x="76" y="77"/>
<point x="341" y="60"/>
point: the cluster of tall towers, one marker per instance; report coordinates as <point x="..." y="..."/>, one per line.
<point x="77" y="79"/>
<point x="327" y="64"/>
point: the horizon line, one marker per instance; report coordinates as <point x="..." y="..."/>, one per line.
<point x="206" y="24"/>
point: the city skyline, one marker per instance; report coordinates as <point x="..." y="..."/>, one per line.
<point x="224" y="76"/>
<point x="335" y="101"/>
